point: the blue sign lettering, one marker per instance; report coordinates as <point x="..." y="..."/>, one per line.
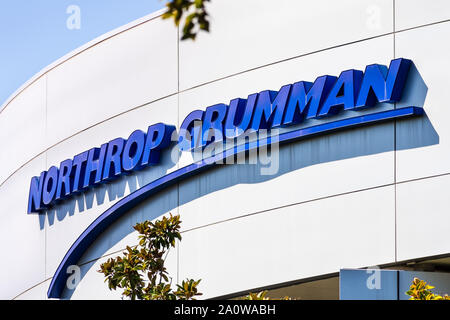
<point x="292" y="104"/>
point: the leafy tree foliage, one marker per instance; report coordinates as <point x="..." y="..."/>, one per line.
<point x="419" y="290"/>
<point x="256" y="296"/>
<point x="140" y="271"/>
<point x="262" y="296"/>
<point x="197" y="16"/>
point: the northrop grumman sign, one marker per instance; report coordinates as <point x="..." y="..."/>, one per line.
<point x="352" y="91"/>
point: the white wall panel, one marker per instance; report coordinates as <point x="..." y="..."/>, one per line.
<point x="165" y="111"/>
<point x="424" y="144"/>
<point x="423" y="218"/>
<point x="38" y="292"/>
<point x="251" y="33"/>
<point x="296" y="242"/>
<point x="308" y="170"/>
<point x="413" y="13"/>
<point x="128" y="70"/>
<point x="311" y="169"/>
<point x="69" y="219"/>
<point x="22" y="128"/>
<point x="22" y="236"/>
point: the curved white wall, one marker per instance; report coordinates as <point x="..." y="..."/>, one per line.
<point x="351" y="199"/>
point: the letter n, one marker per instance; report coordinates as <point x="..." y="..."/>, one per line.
<point x="35" y="196"/>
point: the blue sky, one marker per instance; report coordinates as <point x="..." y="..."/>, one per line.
<point x="34" y="33"/>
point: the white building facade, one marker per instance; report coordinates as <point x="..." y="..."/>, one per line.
<point x="375" y="195"/>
